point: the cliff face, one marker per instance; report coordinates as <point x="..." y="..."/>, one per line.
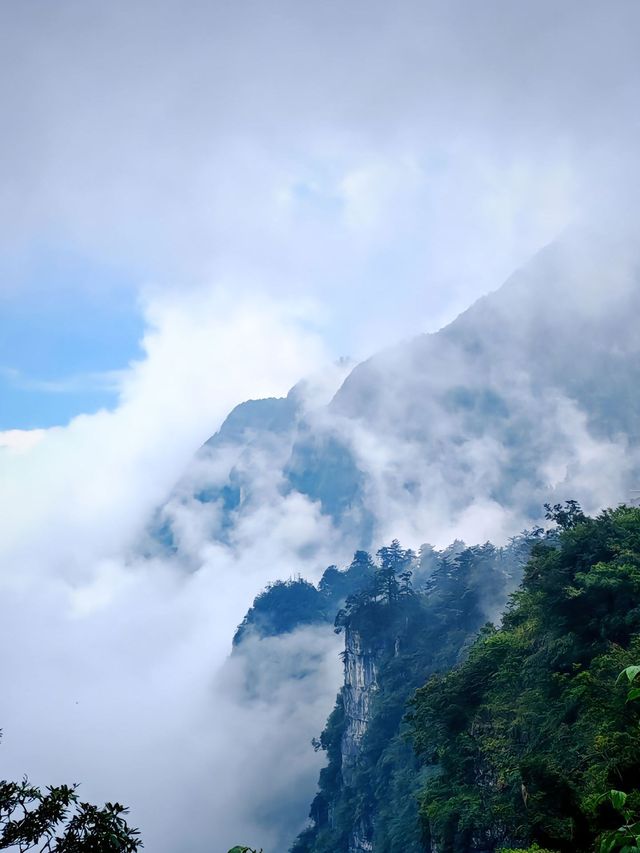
<point x="367" y="658"/>
<point x="352" y="810"/>
<point x="360" y="841"/>
<point x="361" y="667"/>
<point x="362" y="662"/>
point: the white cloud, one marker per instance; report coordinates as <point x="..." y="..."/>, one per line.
<point x="271" y="146"/>
<point x="20" y="440"/>
<point x="90" y="486"/>
<point x="122" y="651"/>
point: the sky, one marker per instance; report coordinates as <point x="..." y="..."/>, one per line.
<point x="380" y="166"/>
<point x="201" y="203"/>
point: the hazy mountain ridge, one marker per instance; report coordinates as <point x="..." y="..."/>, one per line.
<point x="464" y="433"/>
<point x="526" y="397"/>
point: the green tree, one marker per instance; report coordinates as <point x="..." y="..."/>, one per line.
<point x="524" y="736"/>
<point x="393" y="575"/>
<point x="625" y="838"/>
<point x="565" y="516"/>
<point x="55" y="820"/>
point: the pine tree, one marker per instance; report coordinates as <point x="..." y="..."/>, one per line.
<point x="393" y="576"/>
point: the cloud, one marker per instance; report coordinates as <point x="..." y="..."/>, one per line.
<point x="324" y="151"/>
<point x="92" y="485"/>
<point x="140" y="705"/>
<point x="20" y="440"/>
<point x="123" y="650"/>
<point x="280" y="691"/>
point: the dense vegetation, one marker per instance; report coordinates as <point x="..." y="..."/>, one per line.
<point x="415" y="617"/>
<point x="477" y="739"/>
<point x="524" y="738"/>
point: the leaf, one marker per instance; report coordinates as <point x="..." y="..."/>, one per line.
<point x="633" y="694"/>
<point x="631" y="672"/>
<point x="618" y="799"/>
<point x="608" y="843"/>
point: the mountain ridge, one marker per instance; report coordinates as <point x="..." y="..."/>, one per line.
<point x="528" y="396"/>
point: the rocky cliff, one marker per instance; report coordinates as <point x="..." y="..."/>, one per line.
<point x="361" y="666"/>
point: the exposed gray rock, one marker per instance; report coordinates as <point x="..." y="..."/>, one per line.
<point x="360" y="842"/>
<point x="360" y="687"/>
<point x="361" y="667"/>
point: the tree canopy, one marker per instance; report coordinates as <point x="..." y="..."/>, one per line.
<point x="55" y="820"/>
<point x="527" y="734"/>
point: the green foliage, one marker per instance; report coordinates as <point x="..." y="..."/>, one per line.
<point x="337" y="585"/>
<point x="56" y="821"/>
<point x="244" y="850"/>
<point x="286" y="605"/>
<point x="417" y="615"/>
<point x="533" y="849"/>
<point x="525" y="735"/>
<point x="626" y="837"/>
<point x="631" y="673"/>
<point x="393" y="576"/>
<point x="565" y="515"/>
<point x="282" y="607"/>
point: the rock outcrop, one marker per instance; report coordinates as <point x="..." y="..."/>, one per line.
<point x="360" y="686"/>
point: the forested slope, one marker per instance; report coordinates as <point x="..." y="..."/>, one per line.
<point x="526" y="735"/>
<point x="416" y="617"/>
<point x="515" y="734"/>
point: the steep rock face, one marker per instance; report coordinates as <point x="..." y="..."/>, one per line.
<point x="361" y="663"/>
<point x="360" y="841"/>
<point x="361" y="668"/>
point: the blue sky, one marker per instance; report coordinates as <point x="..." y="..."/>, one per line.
<point x="66" y="324"/>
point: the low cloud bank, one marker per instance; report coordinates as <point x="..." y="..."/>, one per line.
<point x="117" y="675"/>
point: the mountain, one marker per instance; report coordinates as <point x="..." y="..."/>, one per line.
<point x="528" y="396"/>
